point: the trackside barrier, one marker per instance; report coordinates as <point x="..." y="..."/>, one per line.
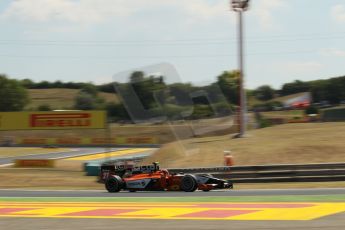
<point x="274" y="173"/>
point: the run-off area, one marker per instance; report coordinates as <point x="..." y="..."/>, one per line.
<point x="172" y="210"/>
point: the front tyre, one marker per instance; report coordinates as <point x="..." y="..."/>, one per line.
<point x="189" y="183"/>
<point x="114" y="184"/>
<point x="229" y="185"/>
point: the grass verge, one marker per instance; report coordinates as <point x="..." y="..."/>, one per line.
<point x="316" y="198"/>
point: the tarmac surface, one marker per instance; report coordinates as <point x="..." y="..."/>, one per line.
<point x="103" y="193"/>
<point x="334" y="222"/>
<point x="329" y="222"/>
<point x="57" y="155"/>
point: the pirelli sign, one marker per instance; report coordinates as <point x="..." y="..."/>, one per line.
<point x="52" y="120"/>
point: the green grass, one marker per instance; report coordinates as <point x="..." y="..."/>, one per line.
<point x="288" y="114"/>
<point x="302" y="198"/>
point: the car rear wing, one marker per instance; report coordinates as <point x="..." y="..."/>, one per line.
<point x="107" y="170"/>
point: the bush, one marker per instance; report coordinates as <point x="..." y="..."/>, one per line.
<point x="264" y="123"/>
<point x="175" y="112"/>
<point x="311" y="110"/>
<point x="116" y="112"/>
<point x="202" y="111"/>
<point x="224" y="108"/>
<point x="85" y="101"/>
<point x="44" y="107"/>
<point x="268" y="106"/>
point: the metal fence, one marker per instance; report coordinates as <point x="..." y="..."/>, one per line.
<point x="273" y="173"/>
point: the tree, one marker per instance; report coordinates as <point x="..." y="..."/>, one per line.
<point x="331" y="90"/>
<point x="295" y="87"/>
<point x="264" y="93"/>
<point x="43" y="85"/>
<point x="27" y="83"/>
<point x="181" y="93"/>
<point x="90" y="89"/>
<point x="88" y="99"/>
<point x="57" y="84"/>
<point x="13" y="96"/>
<point x="148" y="89"/>
<point x="229" y="84"/>
<point x="318" y="90"/>
<point x="137" y="76"/>
<point x="107" y="88"/>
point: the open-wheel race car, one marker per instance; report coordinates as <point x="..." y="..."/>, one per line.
<point x="152" y="178"/>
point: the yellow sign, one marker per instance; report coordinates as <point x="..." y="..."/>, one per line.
<point x="52" y="120"/>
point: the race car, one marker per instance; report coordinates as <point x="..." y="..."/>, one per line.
<point x="152" y="178"/>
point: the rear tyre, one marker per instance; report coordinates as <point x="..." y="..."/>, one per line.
<point x="114" y="184"/>
<point x="189" y="183"/>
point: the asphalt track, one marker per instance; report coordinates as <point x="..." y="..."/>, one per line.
<point x="57" y="155"/>
<point x="334" y="222"/>
<point x="220" y="193"/>
<point x="328" y="222"/>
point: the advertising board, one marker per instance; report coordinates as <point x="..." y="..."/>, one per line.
<point x="52" y="120"/>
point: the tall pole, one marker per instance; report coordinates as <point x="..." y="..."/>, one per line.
<point x="243" y="101"/>
<point x="240" y="6"/>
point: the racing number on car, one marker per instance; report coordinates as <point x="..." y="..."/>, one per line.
<point x="105" y="175"/>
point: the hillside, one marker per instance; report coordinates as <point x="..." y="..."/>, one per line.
<point x="289" y="143"/>
<point x="59" y="98"/>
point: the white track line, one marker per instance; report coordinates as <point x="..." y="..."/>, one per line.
<point x="5" y="165"/>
